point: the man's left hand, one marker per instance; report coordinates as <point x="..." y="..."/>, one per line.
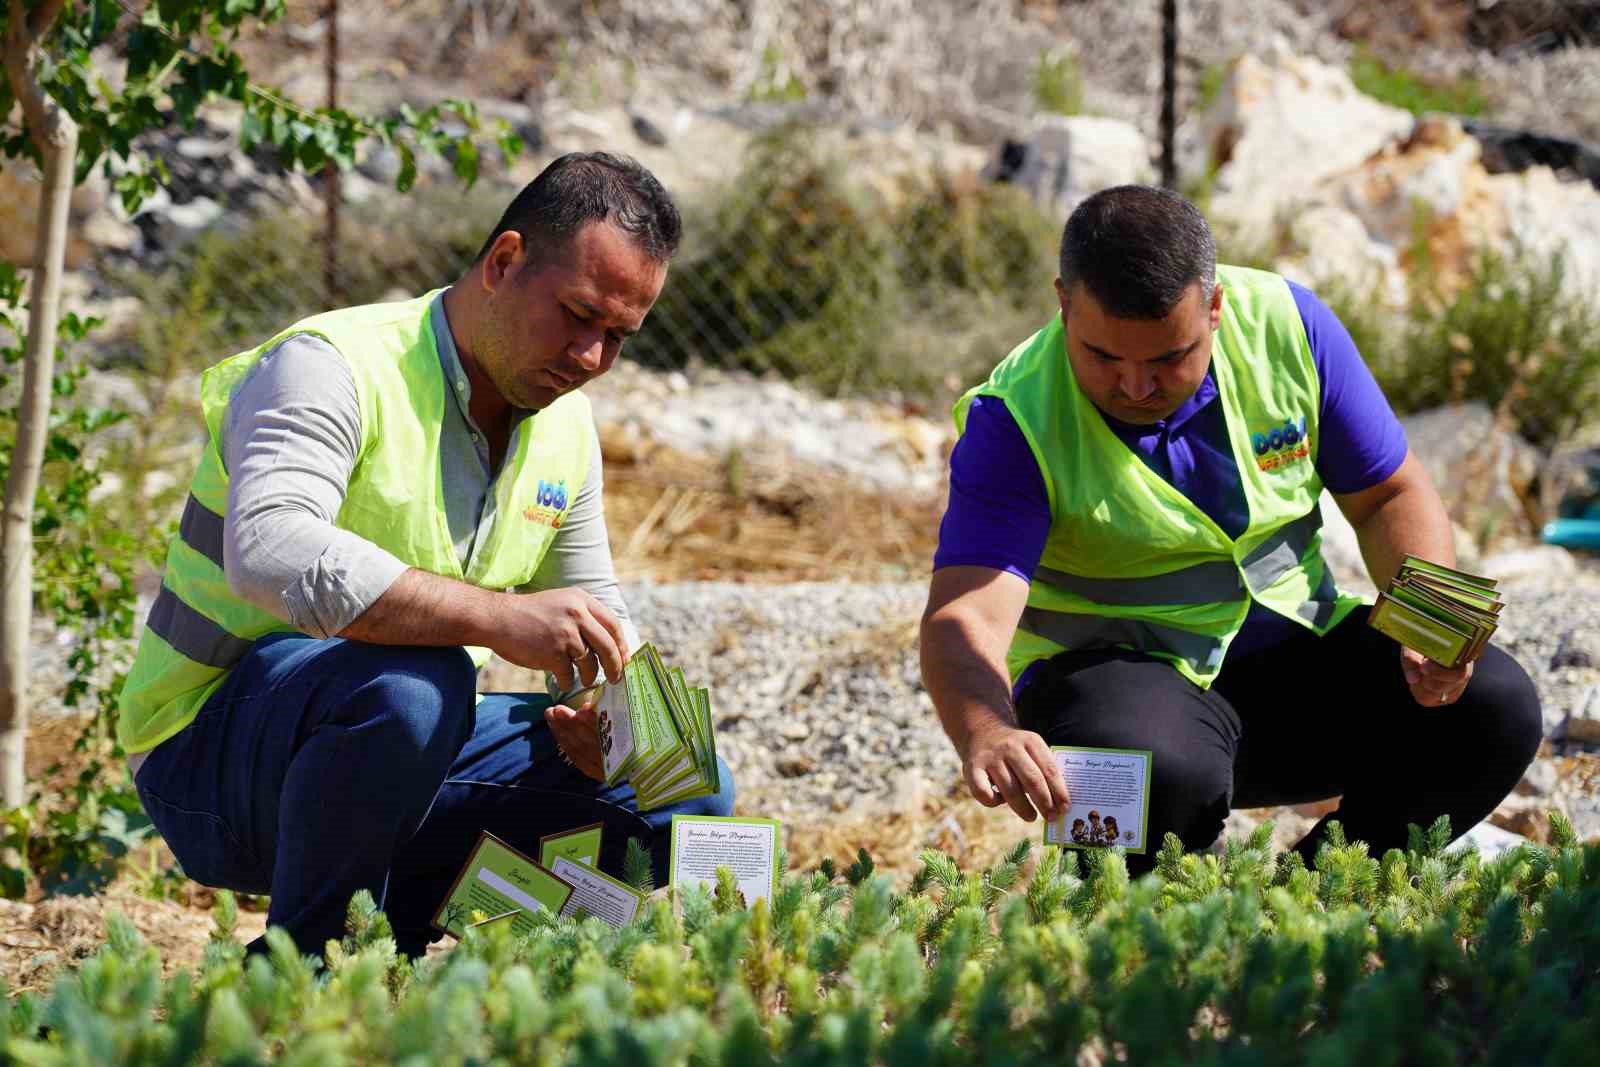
<point x="1433" y="685"/>
<point x="577" y="731"/>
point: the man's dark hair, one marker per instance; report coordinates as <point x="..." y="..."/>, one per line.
<point x="584" y="187"/>
<point x="1137" y="249"/>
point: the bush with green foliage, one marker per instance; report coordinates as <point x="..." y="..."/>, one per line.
<point x="796" y="268"/>
<point x="1511" y="335"/>
<point x="1421" y="957"/>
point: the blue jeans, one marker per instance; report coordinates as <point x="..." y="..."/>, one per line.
<point x="321" y="767"/>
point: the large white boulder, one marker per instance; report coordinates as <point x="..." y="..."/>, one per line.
<point x="1071" y="156"/>
<point x="1281" y="125"/>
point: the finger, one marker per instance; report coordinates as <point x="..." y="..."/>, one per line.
<point x="589" y="667"/>
<point x="981" y="789"/>
<point x="1060" y="798"/>
<point x="1031" y="782"/>
<point x="613" y="626"/>
<point x="1000" y="775"/>
<point x="576" y="734"/>
<point x="1411" y="664"/>
<point x="600" y="639"/>
<point x="562" y="669"/>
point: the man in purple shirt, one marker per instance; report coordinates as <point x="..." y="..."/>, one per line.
<point x="1292" y="716"/>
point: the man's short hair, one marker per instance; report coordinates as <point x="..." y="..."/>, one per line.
<point x="1137" y="249"/>
<point x="584" y="187"/>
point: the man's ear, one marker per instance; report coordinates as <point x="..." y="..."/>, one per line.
<point x="1061" y="296"/>
<point x="1216" y="306"/>
<point x="500" y="263"/>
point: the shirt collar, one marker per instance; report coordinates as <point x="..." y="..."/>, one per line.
<point x="455" y="375"/>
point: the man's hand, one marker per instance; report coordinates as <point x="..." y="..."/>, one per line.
<point x="1015" y="766"/>
<point x="577" y="732"/>
<point x="561" y="631"/>
<point x="1433" y="685"/>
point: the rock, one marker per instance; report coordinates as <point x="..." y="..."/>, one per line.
<point x="1547" y="560"/>
<point x="1490" y="839"/>
<point x="1067" y="157"/>
<point x="195" y="216"/>
<point x="1282" y="124"/>
<point x="1341" y="253"/>
<point x="1540" y="779"/>
<point x="1532" y="823"/>
<point x="19" y="213"/>
<point x="1485" y="473"/>
<point x="1582" y="723"/>
<point x="647" y="131"/>
<point x="1340" y="548"/>
<point x="1569" y="483"/>
<point x="1578" y="648"/>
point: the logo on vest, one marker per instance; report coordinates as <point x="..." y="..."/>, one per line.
<point x="1281" y="446"/>
<point x="550" y="501"/>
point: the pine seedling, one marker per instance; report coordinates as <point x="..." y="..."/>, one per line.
<point x="1050" y="888"/>
<point x="762" y="960"/>
<point x="698" y="912"/>
<point x="637" y="869"/>
<point x="1562" y="834"/>
<point x="861" y="869"/>
<point x="727" y="897"/>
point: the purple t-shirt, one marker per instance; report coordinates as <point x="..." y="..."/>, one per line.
<point x="999" y="512"/>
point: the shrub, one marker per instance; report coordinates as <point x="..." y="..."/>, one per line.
<point x="1510" y="336"/>
<point x="800" y="270"/>
<point x="1241" y="957"/>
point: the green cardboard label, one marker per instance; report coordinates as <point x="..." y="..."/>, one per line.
<point x="496" y="880"/>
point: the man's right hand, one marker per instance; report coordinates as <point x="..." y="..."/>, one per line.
<point x="1006" y="764"/>
<point x="559" y="630"/>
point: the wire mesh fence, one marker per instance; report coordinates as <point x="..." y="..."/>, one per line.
<point x="798" y="262"/>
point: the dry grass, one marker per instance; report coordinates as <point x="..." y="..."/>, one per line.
<point x="678" y="517"/>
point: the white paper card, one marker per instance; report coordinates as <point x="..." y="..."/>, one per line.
<point x="1110" y="793"/>
<point x="748" y="847"/>
<point x="600" y="896"/>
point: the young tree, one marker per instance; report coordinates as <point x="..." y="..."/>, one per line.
<point x="63" y="112"/>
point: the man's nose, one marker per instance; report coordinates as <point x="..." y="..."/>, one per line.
<point x="589" y="349"/>
<point x="1138" y="383"/>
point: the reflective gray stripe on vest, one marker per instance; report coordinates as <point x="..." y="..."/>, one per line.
<point x="1320" y="608"/>
<point x="192" y="633"/>
<point x="201" y="529"/>
<point x="1283" y="551"/>
<point x="1073" y="630"/>
<point x="1205" y="583"/>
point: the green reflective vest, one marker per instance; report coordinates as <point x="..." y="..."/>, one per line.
<point x="1130" y="561"/>
<point x="198" y="629"/>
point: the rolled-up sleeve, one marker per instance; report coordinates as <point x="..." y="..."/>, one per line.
<point x="290" y="441"/>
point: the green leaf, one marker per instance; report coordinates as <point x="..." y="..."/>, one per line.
<point x="407" y="176"/>
<point x="465" y="162"/>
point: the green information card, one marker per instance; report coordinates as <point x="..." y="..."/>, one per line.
<point x="498" y="880"/>
<point x="581" y="845"/>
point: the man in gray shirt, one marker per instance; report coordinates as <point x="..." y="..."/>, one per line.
<point x="386" y="485"/>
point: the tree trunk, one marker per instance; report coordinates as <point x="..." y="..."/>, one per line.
<point x="57" y="137"/>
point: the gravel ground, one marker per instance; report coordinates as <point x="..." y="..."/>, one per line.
<point x="819" y="706"/>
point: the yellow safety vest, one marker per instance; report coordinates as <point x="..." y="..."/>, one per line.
<point x="198" y="629"/>
<point x="1130" y="561"/>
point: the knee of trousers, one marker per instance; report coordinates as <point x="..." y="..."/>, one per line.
<point x="1507" y="717"/>
<point x="419" y="701"/>
<point x="1188" y="797"/>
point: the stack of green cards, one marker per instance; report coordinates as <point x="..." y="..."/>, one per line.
<point x="655" y="732"/>
<point x="500" y="883"/>
<point x="1445" y="614"/>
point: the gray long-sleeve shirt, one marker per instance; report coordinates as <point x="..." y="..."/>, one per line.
<point x="289" y="442"/>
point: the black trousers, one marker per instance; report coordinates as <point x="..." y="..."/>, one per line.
<point x="1309" y="719"/>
